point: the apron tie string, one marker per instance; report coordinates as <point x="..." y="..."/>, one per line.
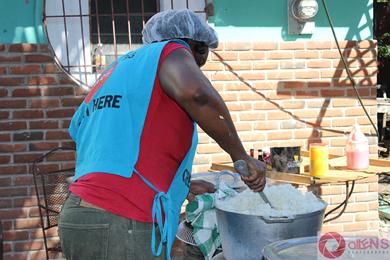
<point x="160" y="206"/>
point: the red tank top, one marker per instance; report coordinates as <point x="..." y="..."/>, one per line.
<point x="165" y="140"/>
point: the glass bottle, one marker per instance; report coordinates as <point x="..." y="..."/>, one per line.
<point x="260" y="155"/>
<point x="99" y="58"/>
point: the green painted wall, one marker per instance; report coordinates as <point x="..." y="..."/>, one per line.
<point x="267" y="20"/>
<point x="21" y="21"/>
<point x="243" y="20"/>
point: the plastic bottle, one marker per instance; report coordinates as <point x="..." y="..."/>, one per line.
<point x="357" y="149"/>
<point x="252" y="153"/>
<point x="267" y="157"/>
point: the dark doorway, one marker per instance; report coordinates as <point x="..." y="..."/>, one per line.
<point x="382" y="35"/>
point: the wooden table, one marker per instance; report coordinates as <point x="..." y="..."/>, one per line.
<point x="338" y="171"/>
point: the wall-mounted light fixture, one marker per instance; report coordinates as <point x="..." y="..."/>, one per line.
<point x="301" y="15"/>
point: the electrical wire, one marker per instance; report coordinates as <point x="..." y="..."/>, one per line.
<point x="349" y="74"/>
<point x="343" y="204"/>
<point x="276" y="104"/>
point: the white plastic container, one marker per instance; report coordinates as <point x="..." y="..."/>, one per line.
<point x="357" y="149"/>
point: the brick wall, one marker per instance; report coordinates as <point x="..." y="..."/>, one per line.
<point x="361" y="214"/>
<point x="287" y="93"/>
<point x="37" y="101"/>
<point x="291" y="93"/>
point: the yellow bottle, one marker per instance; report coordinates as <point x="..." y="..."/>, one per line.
<point x="319" y="165"/>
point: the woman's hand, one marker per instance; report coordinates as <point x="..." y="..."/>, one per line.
<point x="198" y="187"/>
<point x="257" y="169"/>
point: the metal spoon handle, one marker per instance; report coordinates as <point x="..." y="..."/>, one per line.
<point x="242" y="168"/>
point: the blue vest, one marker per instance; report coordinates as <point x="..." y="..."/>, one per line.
<point x="107" y="131"/>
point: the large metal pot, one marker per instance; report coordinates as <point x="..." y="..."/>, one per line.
<point x="244" y="236"/>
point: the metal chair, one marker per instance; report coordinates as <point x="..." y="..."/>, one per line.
<point x="51" y="188"/>
<point x="1" y="241"/>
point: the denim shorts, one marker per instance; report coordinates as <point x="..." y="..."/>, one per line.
<point x="94" y="234"/>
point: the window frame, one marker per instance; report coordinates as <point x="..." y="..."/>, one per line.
<point x="85" y="63"/>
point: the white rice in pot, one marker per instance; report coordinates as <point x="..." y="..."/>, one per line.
<point x="286" y="200"/>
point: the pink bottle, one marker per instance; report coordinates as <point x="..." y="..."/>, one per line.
<point x="357" y="149"/>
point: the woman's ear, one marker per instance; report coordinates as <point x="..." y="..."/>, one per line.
<point x="200" y="49"/>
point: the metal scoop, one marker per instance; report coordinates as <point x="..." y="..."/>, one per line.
<point x="242" y="168"/>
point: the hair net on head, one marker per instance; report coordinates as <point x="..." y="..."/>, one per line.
<point x="174" y="24"/>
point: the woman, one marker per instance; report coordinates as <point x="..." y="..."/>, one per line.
<point x="135" y="136"/>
